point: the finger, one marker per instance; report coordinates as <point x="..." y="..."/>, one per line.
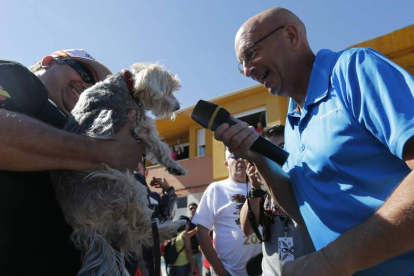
<point x="154" y="184"/>
<point x="218" y="133"/>
<point x="235" y="136"/>
<point x="250" y="165"/>
<point x="250" y="137"/>
<point x="252" y="170"/>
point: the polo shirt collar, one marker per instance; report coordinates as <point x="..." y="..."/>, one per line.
<point x="319" y="81"/>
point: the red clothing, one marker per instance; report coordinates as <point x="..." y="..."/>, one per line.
<point x="206" y="264"/>
<point x="174" y="155"/>
<point x="259" y="129"/>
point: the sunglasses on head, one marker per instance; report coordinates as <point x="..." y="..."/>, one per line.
<point x="84" y="72"/>
<point x="235" y="157"/>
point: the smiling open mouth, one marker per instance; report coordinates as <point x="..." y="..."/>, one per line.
<point x="264" y="76"/>
<point x="74" y="91"/>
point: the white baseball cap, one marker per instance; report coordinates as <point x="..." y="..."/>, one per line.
<point x="83" y="57"/>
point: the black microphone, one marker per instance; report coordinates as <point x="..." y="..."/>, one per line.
<point x="210" y="116"/>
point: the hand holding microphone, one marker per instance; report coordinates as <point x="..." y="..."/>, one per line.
<point x="211" y="116"/>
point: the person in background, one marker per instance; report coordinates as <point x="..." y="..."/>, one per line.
<point x="164" y="208"/>
<point x="197" y="256"/>
<point x="174" y="153"/>
<point x="184" y="264"/>
<point x="34" y="107"/>
<point x="350" y="135"/>
<point x="219" y="210"/>
<point x="180" y="153"/>
<point x="285" y="239"/>
<point x="260" y="127"/>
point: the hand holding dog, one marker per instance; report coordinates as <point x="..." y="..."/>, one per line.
<point x="124" y="151"/>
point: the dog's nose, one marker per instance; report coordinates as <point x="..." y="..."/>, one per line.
<point x="176" y="107"/>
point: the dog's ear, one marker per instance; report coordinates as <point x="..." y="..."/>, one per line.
<point x="154" y="79"/>
<point x="154" y="87"/>
<point x="173" y="83"/>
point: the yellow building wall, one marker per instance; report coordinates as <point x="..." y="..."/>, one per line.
<point x="209" y="142"/>
<point x="192" y="140"/>
<point x="397" y="46"/>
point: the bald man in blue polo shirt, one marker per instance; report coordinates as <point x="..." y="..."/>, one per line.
<point x="349" y="133"/>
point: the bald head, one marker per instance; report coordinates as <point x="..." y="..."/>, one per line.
<point x="264" y="22"/>
<point x="272" y="49"/>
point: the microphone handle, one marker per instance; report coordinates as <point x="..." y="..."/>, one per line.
<point x="267" y="148"/>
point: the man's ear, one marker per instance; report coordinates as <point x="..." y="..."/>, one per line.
<point x="47" y="62"/>
<point x="293" y="36"/>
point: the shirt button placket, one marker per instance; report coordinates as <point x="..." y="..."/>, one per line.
<point x="303" y="147"/>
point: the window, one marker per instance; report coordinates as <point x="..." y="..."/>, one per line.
<point x="184" y="151"/>
<point x="201" y="142"/>
<point x="182" y="202"/>
<point x="253" y="117"/>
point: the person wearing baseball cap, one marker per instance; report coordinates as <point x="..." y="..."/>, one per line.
<point x="34" y="107"/>
<point x="66" y="83"/>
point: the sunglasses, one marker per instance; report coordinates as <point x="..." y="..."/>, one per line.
<point x="84" y="72"/>
<point x="192" y="208"/>
<point x="235" y="157"/>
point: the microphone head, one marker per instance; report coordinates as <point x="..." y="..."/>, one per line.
<point x="202" y="112"/>
<point x="209" y="115"/>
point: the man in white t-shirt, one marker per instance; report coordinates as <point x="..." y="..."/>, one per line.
<point x="219" y="210"/>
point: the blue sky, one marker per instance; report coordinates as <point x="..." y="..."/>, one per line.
<point x="192" y="38"/>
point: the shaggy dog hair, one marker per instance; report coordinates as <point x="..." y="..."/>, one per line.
<point x="107" y="208"/>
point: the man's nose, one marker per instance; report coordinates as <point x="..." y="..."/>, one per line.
<point x="248" y="69"/>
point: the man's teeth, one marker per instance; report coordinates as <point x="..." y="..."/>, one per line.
<point x="75" y="92"/>
<point x="263" y="77"/>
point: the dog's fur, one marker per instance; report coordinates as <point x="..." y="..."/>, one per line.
<point x="107" y="208"/>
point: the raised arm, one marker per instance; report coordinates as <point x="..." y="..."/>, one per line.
<point x="168" y="204"/>
<point x="254" y="202"/>
<point x="27" y="144"/>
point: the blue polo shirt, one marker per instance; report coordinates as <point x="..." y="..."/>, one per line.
<point x="346" y="146"/>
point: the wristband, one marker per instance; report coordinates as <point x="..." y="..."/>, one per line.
<point x="167" y="191"/>
<point x="253" y="193"/>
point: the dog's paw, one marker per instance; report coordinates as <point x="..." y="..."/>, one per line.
<point x="175" y="171"/>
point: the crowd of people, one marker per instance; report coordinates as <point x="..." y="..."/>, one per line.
<point x="342" y="204"/>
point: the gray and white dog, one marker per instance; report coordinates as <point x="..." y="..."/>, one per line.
<point x="107" y="208"/>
